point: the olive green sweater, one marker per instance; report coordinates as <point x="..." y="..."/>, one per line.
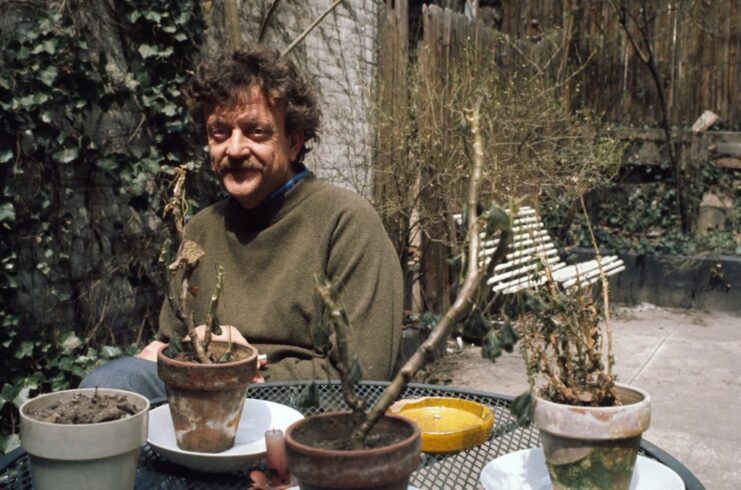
<point x="270" y="255"/>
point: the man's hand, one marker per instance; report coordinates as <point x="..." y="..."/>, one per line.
<point x="149" y="352"/>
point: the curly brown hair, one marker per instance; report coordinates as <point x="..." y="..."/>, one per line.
<point x="218" y="82"/>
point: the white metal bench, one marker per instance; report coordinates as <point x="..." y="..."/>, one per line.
<point x="532" y="252"/>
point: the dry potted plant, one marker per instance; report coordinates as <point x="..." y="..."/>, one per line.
<point x="366" y="447"/>
<point x="206" y="379"/>
<point x="84" y="438"/>
<point x="590" y="425"/>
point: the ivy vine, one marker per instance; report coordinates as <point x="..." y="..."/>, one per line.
<point x="56" y="82"/>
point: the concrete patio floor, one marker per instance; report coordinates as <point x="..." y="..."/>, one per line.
<point x="690" y="362"/>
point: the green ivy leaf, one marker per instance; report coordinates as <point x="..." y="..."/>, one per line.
<point x="9" y="442"/>
<point x="71" y="343"/>
<point x="25" y="350"/>
<point x="153" y="16"/>
<point x="110" y="351"/>
<point x="24" y="394"/>
<point x="7" y="212"/>
<point x="8" y="393"/>
<point x="147" y="51"/>
<point x="6" y="155"/>
<point x="107" y="164"/>
<point x="48" y="75"/>
<point x="65" y="156"/>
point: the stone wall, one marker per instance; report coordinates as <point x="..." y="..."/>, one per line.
<point x="340" y="56"/>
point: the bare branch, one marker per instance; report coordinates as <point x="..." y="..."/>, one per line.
<point x="310" y="28"/>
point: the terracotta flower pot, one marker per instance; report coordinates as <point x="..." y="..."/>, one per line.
<point x="84" y="456"/>
<point x="593" y="447"/>
<point x="206" y="399"/>
<point x="380" y="468"/>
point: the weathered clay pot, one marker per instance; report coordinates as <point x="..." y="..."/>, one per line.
<point x="593" y="447"/>
<point x="381" y="468"/>
<point x="206" y="399"/>
<point x="84" y="456"/>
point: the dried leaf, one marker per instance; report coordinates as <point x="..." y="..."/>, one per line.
<point x="190" y="253"/>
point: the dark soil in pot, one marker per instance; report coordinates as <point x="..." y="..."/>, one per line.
<point x="336" y="437"/>
<point x="85" y="409"/>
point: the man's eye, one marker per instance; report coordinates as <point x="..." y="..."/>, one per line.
<point x="260" y="133"/>
<point x="218" y="133"/>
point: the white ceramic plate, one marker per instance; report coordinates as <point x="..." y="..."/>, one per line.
<point x="249" y="444"/>
<point x="526" y="470"/>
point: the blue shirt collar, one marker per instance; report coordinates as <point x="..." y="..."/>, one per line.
<point x="301" y="172"/>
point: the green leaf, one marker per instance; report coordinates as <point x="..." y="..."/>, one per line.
<point x="175" y="346"/>
<point x="491" y="347"/>
<point x="6" y="155"/>
<point x="7" y="212"/>
<point x="107" y="164"/>
<point x="9" y="442"/>
<point x="24" y="394"/>
<point x="153" y="16"/>
<point x="71" y="343"/>
<point x="147" y="51"/>
<point x="507" y="335"/>
<point x="48" y="75"/>
<point x="109" y="352"/>
<point x="497" y="220"/>
<point x="355" y="375"/>
<point x="309" y="397"/>
<point x="321" y="337"/>
<point x="522" y="408"/>
<point x="65" y="156"/>
<point x="8" y="393"/>
<point x="25" y="350"/>
<point x="476" y="326"/>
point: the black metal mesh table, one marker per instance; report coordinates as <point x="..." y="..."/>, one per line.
<point x="439" y="471"/>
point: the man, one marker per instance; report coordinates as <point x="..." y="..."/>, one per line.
<point x="279" y="227"/>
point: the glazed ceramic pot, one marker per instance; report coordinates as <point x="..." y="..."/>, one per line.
<point x="386" y="467"/>
<point x="84" y="456"/>
<point x="206" y="400"/>
<point x="593" y="447"/>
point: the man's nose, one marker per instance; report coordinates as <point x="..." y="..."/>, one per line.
<point x="238" y="146"/>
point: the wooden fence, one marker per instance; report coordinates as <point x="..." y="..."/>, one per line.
<point x="697" y="46"/>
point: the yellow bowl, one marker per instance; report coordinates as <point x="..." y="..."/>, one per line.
<point x="447" y="424"/>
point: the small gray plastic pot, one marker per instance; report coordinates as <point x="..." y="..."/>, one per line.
<point x="84" y="456"/>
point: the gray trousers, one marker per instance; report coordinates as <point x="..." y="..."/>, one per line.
<point x="128" y="373"/>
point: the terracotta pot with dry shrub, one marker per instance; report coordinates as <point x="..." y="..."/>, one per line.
<point x="206" y="400"/>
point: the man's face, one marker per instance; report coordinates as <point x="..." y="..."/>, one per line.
<point x="249" y="148"/>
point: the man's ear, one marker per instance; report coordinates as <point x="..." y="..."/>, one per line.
<point x="296" y="139"/>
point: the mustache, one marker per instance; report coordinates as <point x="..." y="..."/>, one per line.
<point x="238" y="164"/>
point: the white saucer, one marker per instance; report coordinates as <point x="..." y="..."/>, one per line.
<point x="526" y="470"/>
<point x="258" y="416"/>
